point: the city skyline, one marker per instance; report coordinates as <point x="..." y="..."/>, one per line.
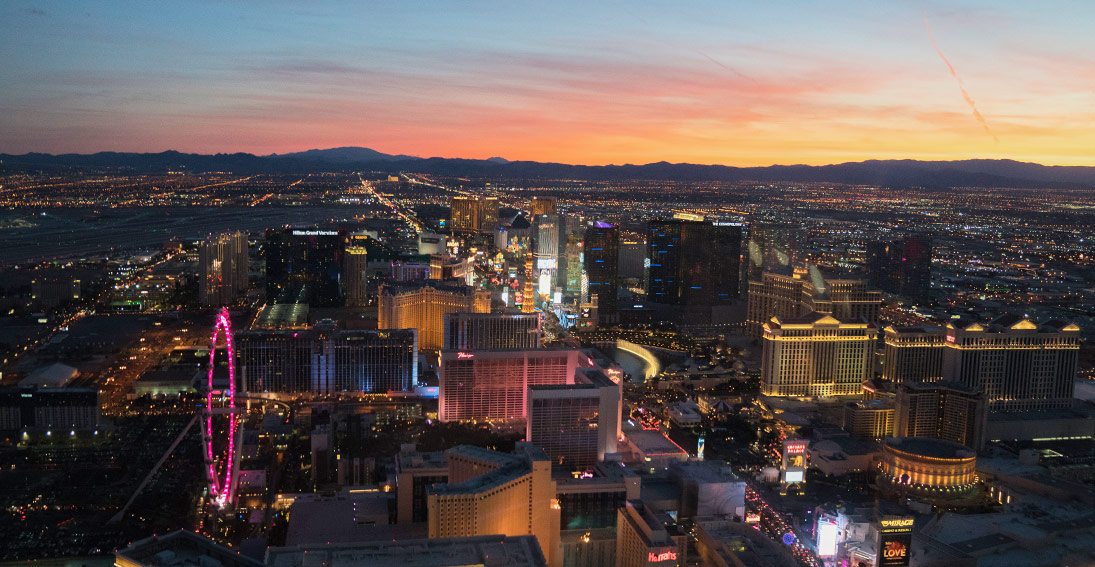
<point x="733" y="85"/>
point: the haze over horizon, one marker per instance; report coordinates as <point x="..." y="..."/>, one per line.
<point x="706" y="84"/>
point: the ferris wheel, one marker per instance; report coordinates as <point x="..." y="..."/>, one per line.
<point x="220" y="422"/>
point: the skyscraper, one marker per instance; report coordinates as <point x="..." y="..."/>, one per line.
<point x="942" y="410"/>
<point x="773" y="295"/>
<point x="474" y="215"/>
<point x="326" y="360"/>
<point x="354" y="273"/>
<point x="772" y="247"/>
<point x="792" y="295"/>
<point x="304" y="263"/>
<point x="601" y="251"/>
<point x="901" y="267"/>
<point x="693" y="263"/>
<point x="913" y="353"/>
<point x="490" y="331"/>
<point x="1022" y="366"/>
<point x="222" y="259"/>
<point x="543" y="206"/>
<point x="575" y="424"/>
<point x="643" y="538"/>
<point x="492" y="493"/>
<point x="422" y="305"/>
<point x="547" y="230"/>
<point x="816" y="355"/>
<point x="492" y="385"/>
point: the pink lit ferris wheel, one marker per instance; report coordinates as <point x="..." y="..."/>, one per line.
<point x="219" y="421"/>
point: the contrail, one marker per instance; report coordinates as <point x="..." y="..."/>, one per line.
<point x="961" y="87"/>
<point x="725" y="66"/>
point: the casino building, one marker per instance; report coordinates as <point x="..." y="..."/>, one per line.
<point x="927" y="467"/>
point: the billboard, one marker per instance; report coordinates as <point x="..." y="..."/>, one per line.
<point x="894" y="541"/>
<point x="827" y="536"/>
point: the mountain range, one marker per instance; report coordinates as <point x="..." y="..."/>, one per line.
<point x="885" y="173"/>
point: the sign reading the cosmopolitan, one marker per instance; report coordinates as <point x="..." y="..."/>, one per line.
<point x="894" y="541"/>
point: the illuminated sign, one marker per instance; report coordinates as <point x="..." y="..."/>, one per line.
<point x="950" y="338"/>
<point x="894" y="524"/>
<point x="893" y="550"/>
<point x="315" y="233"/>
<point x="827" y="536"/>
<point x="465" y="355"/>
<point x="752" y="518"/>
<point x="793" y="476"/>
<point x="796" y="448"/>
<point x="652" y="557"/>
<point x="699" y="447"/>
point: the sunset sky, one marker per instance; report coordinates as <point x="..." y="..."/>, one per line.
<point x="736" y="83"/>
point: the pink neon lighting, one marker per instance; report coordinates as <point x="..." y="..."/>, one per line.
<point x="221" y="491"/>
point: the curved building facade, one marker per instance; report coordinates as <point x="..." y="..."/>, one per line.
<point x="928" y="466"/>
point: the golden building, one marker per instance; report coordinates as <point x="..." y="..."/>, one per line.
<point x="1021" y="365"/>
<point x="816" y="356"/>
<point x="913" y="354"/>
<point x="543" y="206"/>
<point x="473" y="215"/>
<point x="869" y="419"/>
<point x="423" y="305"/>
<point x="643" y="538"/>
<point x="793" y="295"/>
<point x="492" y="493"/>
<point x="928" y="466"/>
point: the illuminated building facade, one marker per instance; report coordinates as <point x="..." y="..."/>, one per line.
<point x="49" y="409"/>
<point x="816" y="356"/>
<point x="544" y="206"/>
<point x="942" y="410"/>
<point x="913" y="353"/>
<point x="845" y="299"/>
<point x="222" y="262"/>
<point x="1022" y="366"/>
<point x="547" y="230"/>
<point x="491" y="331"/>
<point x="326" y="360"/>
<point x="492" y="385"/>
<point x="423" y="305"/>
<point x="928" y="466"/>
<point x="773" y="295"/>
<point x="304" y="264"/>
<point x="693" y="263"/>
<point x="492" y="493"/>
<point x="474" y="215"/>
<point x="601" y="253"/>
<point x="575" y="424"/>
<point x="901" y="267"/>
<point x="643" y="538"/>
<point x="415" y="473"/>
<point x="355" y="279"/>
<point x="794" y="295"/>
<point x="869" y="419"/>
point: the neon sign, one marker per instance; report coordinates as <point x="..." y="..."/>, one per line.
<point x="465" y="355"/>
<point x="663" y="556"/>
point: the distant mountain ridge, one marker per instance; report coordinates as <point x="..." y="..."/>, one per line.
<point x="885" y="173"/>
